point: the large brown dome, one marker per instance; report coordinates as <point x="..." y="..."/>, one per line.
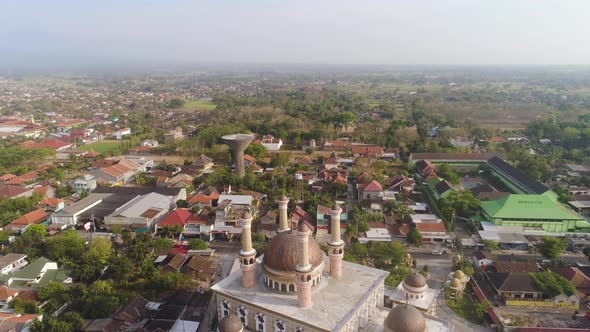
<point x="405" y="318"/>
<point x="415" y="280"/>
<point x="282" y="252"/>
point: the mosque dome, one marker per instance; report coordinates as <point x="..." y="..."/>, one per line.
<point x="459" y="274"/>
<point x="408" y="255"/>
<point x="283" y="198"/>
<point x="415" y="280"/>
<point x="405" y="318"/>
<point x="455" y="283"/>
<point x="231" y="323"/>
<point x="282" y="252"/>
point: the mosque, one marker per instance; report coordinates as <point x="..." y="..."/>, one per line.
<point x="294" y="286"/>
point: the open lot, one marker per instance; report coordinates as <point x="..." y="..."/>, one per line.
<point x="198" y="105"/>
<point x="104" y="147"/>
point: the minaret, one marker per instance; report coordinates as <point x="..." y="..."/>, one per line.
<point x="247" y="254"/>
<point x="335" y="245"/>
<point x="283" y="219"/>
<point x="303" y="268"/>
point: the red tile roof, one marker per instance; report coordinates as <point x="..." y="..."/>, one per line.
<point x="30" y="218"/>
<point x="249" y="158"/>
<point x="371" y="186"/>
<point x="51" y="201"/>
<point x="47" y="143"/>
<point x="431" y="227"/>
<point x="12" y="191"/>
<point x="176" y="217"/>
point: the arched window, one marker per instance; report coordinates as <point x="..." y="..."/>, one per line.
<point x="243" y="314"/>
<point x="291" y="288"/>
<point x="260" y="323"/>
<point x="283" y="287"/>
<point x="280" y="326"/>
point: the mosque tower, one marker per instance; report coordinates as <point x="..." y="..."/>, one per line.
<point x="247" y="254"/>
<point x="335" y="245"/>
<point x="303" y="268"/>
<point x="283" y="218"/>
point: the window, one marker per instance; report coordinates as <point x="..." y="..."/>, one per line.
<point x="299" y="329"/>
<point x="260" y="323"/>
<point x="225" y="307"/>
<point x="243" y="314"/>
<point x="280" y="326"/>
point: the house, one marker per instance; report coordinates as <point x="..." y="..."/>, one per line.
<point x="49" y="143"/>
<point x="425" y="169"/>
<point x="400" y="183"/>
<point x="12" y="262"/>
<point x="483" y="259"/>
<point x="5" y="179"/>
<point x="377" y="232"/>
<point x="66" y="126"/>
<point x="36" y="274"/>
<point x="119" y="134"/>
<point x="297" y="215"/>
<point x="432" y="232"/>
<point x="15" y="192"/>
<point x="85" y="183"/>
<point x="17" y="322"/>
<point x="336" y="145"/>
<point x="249" y="160"/>
<point x="6" y="295"/>
<point x="44" y="191"/>
<point x="579" y="278"/>
<point x="202" y="269"/>
<point x="367" y="151"/>
<point x="52" y="204"/>
<point x="181" y="181"/>
<point x="323" y="218"/>
<point x="228" y="210"/>
<point x="271" y="143"/>
<point x="514" y="286"/>
<point x="203" y="162"/>
<point x="172" y="135"/>
<point x="369" y="191"/>
<point x="150" y="143"/>
<point x="455" y="158"/>
<point x="179" y="217"/>
<point x="120" y="173"/>
<point x="331" y="163"/>
<point x="21" y="223"/>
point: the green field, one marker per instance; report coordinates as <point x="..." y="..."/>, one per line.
<point x="104" y="147"/>
<point x="198" y="105"/>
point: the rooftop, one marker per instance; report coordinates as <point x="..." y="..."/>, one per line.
<point x="519" y="206"/>
<point x="518" y="175"/>
<point x="348" y="292"/>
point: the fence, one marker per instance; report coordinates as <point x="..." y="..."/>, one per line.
<point x="542" y="304"/>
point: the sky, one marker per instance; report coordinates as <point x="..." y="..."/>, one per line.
<point x="463" y="32"/>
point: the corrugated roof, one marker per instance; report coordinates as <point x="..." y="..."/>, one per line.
<point x="518" y="175"/>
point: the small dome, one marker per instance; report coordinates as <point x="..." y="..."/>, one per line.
<point x="246" y="215"/>
<point x="302" y="227"/>
<point x="415" y="280"/>
<point x="455" y="283"/>
<point x="408" y="255"/>
<point x="336" y="207"/>
<point x="282" y="252"/>
<point x="231" y="323"/>
<point x="405" y="318"/>
<point x="459" y="274"/>
<point x="283" y="198"/>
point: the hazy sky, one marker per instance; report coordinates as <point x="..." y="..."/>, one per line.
<point x="299" y="31"/>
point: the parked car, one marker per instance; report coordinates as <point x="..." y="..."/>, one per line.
<point x="436" y="253"/>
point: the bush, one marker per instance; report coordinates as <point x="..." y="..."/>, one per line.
<point x="197" y="244"/>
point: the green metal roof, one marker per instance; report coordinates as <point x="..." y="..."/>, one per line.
<point x="519" y="206"/>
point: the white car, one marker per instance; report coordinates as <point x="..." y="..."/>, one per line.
<point x="436" y="253"/>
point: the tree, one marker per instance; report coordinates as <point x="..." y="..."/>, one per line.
<point x="95" y="259"/>
<point x="491" y="245"/>
<point x="256" y="150"/>
<point x="197" y="244"/>
<point x="414" y="237"/>
<point x="36" y="231"/>
<point x="445" y="172"/>
<point x="163" y="243"/>
<point x="551" y="247"/>
<point x="280" y="160"/>
<point x="53" y="290"/>
<point x="463" y="202"/>
<point x="552" y="284"/>
<point x="67" y="248"/>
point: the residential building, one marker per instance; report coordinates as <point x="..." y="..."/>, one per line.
<point x="323" y="219"/>
<point x="366" y="151"/>
<point x="21" y="223"/>
<point x="66" y="126"/>
<point x="172" y="135"/>
<point x="15" y="192"/>
<point x="49" y="143"/>
<point x="119" y="134"/>
<point x="150" y="143"/>
<point x="86" y="183"/>
<point x="52" y="204"/>
<point x="37" y="274"/>
<point x="371" y="190"/>
<point x="271" y="143"/>
<point x="203" y="162"/>
<point x="455" y="158"/>
<point x="12" y="262"/>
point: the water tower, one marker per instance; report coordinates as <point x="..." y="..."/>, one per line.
<point x="237" y="144"/>
<point x="298" y="188"/>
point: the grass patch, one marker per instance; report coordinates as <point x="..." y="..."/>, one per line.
<point x="198" y="105"/>
<point x="104" y="147"/>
